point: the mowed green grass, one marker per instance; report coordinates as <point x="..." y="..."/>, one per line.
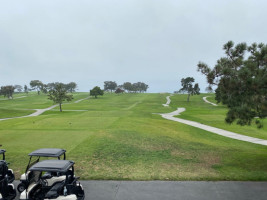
<point x="24" y="104"/>
<point x="118" y="137"/>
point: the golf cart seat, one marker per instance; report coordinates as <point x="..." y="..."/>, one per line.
<point x="7" y="190"/>
<point x="11" y="176"/>
<point x="51" y="180"/>
<point x="3" y="169"/>
<point x="2" y="173"/>
<point x="55" y="191"/>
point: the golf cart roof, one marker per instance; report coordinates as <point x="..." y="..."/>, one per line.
<point x="52" y="166"/>
<point x="48" y="152"/>
<point x="2" y="151"/>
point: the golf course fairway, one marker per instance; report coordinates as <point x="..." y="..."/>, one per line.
<point x="121" y="137"/>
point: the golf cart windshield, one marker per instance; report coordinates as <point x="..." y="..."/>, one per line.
<point x="32" y="163"/>
<point x="34" y="177"/>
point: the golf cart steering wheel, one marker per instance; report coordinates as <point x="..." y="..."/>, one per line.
<point x="43" y="182"/>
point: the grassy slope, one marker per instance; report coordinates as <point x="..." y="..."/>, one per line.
<point x="24" y="106"/>
<point x="119" y="138"/>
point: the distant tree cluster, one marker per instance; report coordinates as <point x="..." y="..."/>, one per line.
<point x="41" y="87"/>
<point x="7" y="91"/>
<point x="110" y="86"/>
<point x="127" y="86"/>
<point x="135" y="87"/>
<point x="18" y="88"/>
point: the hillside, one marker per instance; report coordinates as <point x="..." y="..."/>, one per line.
<point x="119" y="137"/>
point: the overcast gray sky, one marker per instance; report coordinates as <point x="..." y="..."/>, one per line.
<point x="154" y="41"/>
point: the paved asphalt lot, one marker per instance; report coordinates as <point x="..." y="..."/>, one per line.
<point x="174" y="190"/>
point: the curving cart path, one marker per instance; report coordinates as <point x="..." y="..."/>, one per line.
<point x="205" y="99"/>
<point x="229" y="134"/>
<point x="168" y="101"/>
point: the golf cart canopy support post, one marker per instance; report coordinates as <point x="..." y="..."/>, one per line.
<point x="2" y="151"/>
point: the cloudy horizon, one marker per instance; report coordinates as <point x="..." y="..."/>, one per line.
<point x="152" y="41"/>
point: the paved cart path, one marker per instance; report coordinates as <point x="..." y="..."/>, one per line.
<point x="13" y="98"/>
<point x="41" y="111"/>
<point x="229" y="134"/>
<point x="173" y="190"/>
<point x="36" y="113"/>
<point x="168" y="101"/>
<point x="81" y="100"/>
<point x="205" y="99"/>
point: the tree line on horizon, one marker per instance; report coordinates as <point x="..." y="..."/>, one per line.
<point x="45" y="88"/>
<point x="110" y="86"/>
<point x="35" y="85"/>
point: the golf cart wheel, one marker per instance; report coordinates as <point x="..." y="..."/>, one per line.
<point x="21" y="187"/>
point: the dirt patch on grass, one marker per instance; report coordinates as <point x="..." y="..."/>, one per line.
<point x="178" y="153"/>
<point x="207" y="160"/>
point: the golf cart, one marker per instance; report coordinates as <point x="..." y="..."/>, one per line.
<point x="42" y="188"/>
<point x="7" y="190"/>
<point x="9" y="173"/>
<point x="47" y="152"/>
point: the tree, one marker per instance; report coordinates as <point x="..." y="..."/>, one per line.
<point x="141" y="87"/>
<point x="36" y="85"/>
<point x="59" y="94"/>
<point x="26" y="90"/>
<point x="110" y="85"/>
<point x="44" y="88"/>
<point x="241" y="82"/>
<point x="7" y="91"/>
<point x="135" y="87"/>
<point x="187" y="86"/>
<point x="96" y="91"/>
<point x="18" y="88"/>
<point x="144" y="87"/>
<point x="209" y="89"/>
<point x="127" y="86"/>
<point x="71" y="87"/>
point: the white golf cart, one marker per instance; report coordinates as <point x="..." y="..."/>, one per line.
<point x="47" y="153"/>
<point x="44" y="184"/>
